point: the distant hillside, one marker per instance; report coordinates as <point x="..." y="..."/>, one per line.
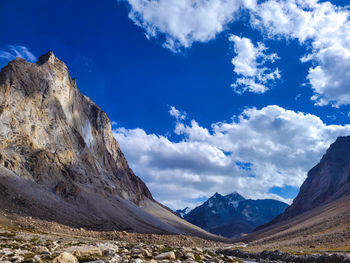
<point x="320" y="215"/>
<point x="232" y="215"/>
<point x="328" y="181"/>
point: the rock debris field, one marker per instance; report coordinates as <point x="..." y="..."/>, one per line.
<point x="18" y="244"/>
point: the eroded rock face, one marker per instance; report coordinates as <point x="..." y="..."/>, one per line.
<point x="52" y="134"/>
<point x="59" y="161"/>
<point x="328" y="181"/>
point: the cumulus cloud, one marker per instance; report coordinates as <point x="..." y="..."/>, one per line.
<point x="178" y="115"/>
<point x="325" y="29"/>
<point x="249" y="66"/>
<point x="276" y="146"/>
<point x="14" y="51"/>
<point x="183" y="22"/>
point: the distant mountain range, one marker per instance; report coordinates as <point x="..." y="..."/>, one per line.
<point x="232" y="214"/>
<point x="183" y="212"/>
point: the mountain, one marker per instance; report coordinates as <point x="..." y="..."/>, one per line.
<point x="328" y="181"/>
<point x="183" y="212"/>
<point x="320" y="213"/>
<point x="60" y="162"/>
<point x="232" y="214"/>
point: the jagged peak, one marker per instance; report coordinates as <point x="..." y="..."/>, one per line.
<point x="215" y="196"/>
<point x="48" y="57"/>
<point x="235" y="195"/>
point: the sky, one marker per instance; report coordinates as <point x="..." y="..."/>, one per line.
<point x="204" y="96"/>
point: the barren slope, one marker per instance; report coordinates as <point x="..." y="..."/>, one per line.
<point x="59" y="160"/>
<point x="324" y="228"/>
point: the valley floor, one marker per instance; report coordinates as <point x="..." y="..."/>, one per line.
<point x="24" y="239"/>
<point x="29" y="241"/>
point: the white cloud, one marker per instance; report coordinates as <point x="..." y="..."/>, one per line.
<point x="323" y="27"/>
<point x="183" y="22"/>
<point x="249" y="65"/>
<point x="177" y="114"/>
<point x="14" y="51"/>
<point x="281" y="145"/>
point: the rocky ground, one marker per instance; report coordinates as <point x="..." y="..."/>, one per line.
<point x="30" y="240"/>
<point x="19" y="244"/>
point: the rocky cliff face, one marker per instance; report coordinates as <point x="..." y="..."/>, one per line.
<point x="52" y="134"/>
<point x="59" y="160"/>
<point x="328" y="181"/>
<point x="232" y="214"/>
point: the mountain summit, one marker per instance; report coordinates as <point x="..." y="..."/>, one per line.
<point x="232" y="214"/>
<point x="53" y="135"/>
<point x="60" y="162"/>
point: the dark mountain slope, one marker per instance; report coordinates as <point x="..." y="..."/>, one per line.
<point x="319" y="217"/>
<point x="328" y="181"/>
<point x="232" y="215"/>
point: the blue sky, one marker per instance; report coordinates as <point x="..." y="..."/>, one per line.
<point x="169" y="75"/>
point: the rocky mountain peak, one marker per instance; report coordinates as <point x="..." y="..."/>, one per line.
<point x="215" y="196"/>
<point x="59" y="161"/>
<point x="48" y="57"/>
<point x="232" y="214"/>
<point x="54" y="135"/>
<point x="234" y="197"/>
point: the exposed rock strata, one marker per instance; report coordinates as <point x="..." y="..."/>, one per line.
<point x="59" y="160"/>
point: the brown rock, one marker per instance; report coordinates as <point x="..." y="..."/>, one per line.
<point x="167" y="255"/>
<point x="65" y="257"/>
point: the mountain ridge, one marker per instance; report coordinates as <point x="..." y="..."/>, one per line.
<point x="326" y="182"/>
<point x="319" y="216"/>
<point x="232" y="214"/>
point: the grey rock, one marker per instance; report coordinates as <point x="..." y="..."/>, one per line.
<point x="65" y="257"/>
<point x="167" y="255"/>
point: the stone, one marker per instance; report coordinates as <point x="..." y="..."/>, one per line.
<point x="198" y="249"/>
<point x="37" y="259"/>
<point x="189" y="256"/>
<point x="44" y="251"/>
<point x="146" y="253"/>
<point x="167" y="255"/>
<point x="86" y="252"/>
<point x="65" y="257"/>
<point x="115" y="259"/>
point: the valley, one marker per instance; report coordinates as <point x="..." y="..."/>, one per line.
<point x="68" y="195"/>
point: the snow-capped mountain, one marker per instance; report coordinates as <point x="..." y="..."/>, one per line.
<point x="232" y="214"/>
<point x="183" y="212"/>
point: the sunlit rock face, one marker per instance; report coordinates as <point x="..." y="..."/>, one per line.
<point x="52" y="134"/>
<point x="59" y="160"/>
